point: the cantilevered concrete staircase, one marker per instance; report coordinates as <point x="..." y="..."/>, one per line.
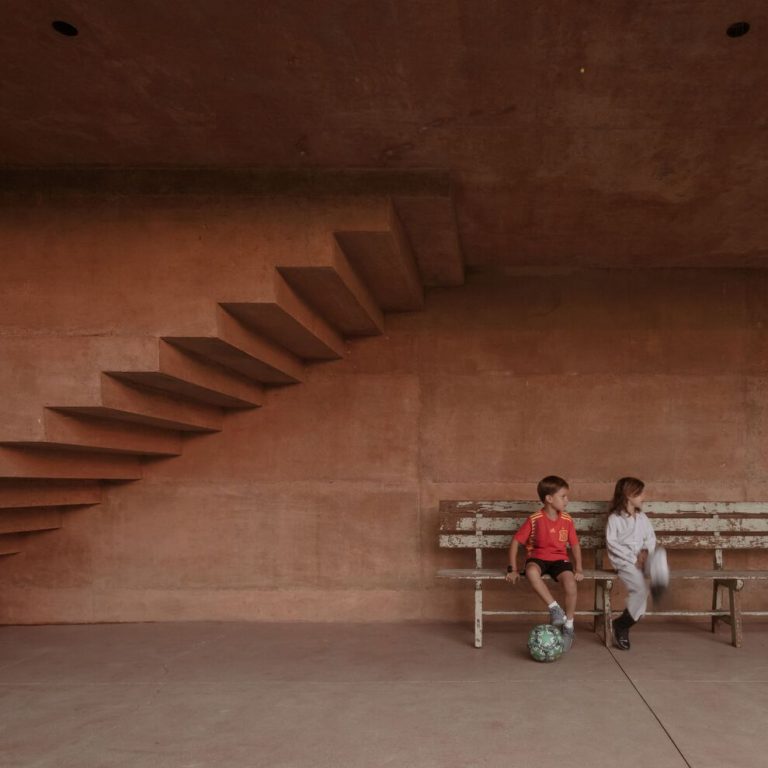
<point x="303" y="315"/>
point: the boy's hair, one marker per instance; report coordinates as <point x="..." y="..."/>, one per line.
<point x="550" y="485"/>
<point x="626" y="487"/>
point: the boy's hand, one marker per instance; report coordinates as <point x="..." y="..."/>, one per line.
<point x="513" y="576"/>
<point x="578" y="576"/>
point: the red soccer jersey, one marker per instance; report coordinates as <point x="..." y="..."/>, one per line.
<point x="545" y="539"/>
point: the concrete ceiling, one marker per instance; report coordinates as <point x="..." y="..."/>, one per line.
<point x="609" y="132"/>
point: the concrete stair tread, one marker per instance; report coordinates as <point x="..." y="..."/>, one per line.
<point x="11" y="544"/>
<point x="338" y="294"/>
<point x="181" y="423"/>
<point x="51" y="445"/>
<point x="386" y="264"/>
<point x="432" y="227"/>
<point x="245" y="351"/>
<point x="123" y="401"/>
<point x="186" y="375"/>
<point x="82" y="433"/>
<point x="283" y="328"/>
<point x="280" y="315"/>
<point x="29" y="520"/>
<point x="16" y="494"/>
<point x="17" y="462"/>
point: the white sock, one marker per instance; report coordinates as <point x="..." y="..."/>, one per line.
<point x="569" y="623"/>
<point x="552" y="605"/>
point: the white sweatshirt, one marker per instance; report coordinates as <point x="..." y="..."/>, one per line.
<point x="626" y="535"/>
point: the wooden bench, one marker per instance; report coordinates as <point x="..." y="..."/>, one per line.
<point x="710" y="526"/>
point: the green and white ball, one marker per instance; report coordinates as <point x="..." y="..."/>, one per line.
<point x="545" y="643"/>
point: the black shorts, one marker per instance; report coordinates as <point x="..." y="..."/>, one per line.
<point x="551" y="568"/>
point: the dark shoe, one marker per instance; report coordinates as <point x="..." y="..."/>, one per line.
<point x="621" y="637"/>
<point x="621" y="629"/>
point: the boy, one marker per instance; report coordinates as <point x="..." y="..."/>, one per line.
<point x="545" y="534"/>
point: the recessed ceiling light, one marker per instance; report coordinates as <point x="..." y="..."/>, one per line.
<point x="64" y="28"/>
<point x="738" y="29"/>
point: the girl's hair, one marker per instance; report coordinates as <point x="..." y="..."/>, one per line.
<point x="626" y="487"/>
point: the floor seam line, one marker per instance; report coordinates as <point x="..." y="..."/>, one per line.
<point x="650" y="709"/>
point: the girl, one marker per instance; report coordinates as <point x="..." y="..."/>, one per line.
<point x="630" y="540"/>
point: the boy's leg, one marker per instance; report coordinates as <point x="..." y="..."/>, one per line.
<point x="533" y="574"/>
<point x="568" y="580"/>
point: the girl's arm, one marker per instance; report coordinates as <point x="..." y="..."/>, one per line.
<point x="617" y="551"/>
<point x="648" y="545"/>
<point x="649" y="539"/>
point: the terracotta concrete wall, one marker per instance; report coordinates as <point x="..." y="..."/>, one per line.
<point x="322" y="505"/>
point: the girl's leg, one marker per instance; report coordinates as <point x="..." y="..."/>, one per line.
<point x="533" y="574"/>
<point x="637" y="598"/>
<point x="567" y="579"/>
<point x="637" y="589"/>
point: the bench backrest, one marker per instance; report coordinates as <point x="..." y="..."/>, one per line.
<point x="714" y="526"/>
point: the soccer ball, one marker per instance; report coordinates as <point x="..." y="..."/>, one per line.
<point x="545" y="643"/>
<point x="658" y="571"/>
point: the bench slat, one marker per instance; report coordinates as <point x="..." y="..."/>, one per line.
<point x="673" y="541"/>
<point x="596" y="507"/>
<point x="498" y="573"/>
<point x="597" y="524"/>
<point x="598" y="575"/>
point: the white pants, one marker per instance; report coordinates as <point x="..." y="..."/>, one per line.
<point x="637" y="588"/>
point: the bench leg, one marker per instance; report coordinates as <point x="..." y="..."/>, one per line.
<point x="734" y="594"/>
<point x="607" y="618"/>
<point x="717" y="603"/>
<point x="598" y="604"/>
<point x="478" y="614"/>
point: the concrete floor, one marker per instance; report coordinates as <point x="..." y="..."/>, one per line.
<point x="405" y="695"/>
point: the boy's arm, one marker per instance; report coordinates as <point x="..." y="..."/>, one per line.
<point x="576" y="549"/>
<point x="513" y="575"/>
<point x="573" y="540"/>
